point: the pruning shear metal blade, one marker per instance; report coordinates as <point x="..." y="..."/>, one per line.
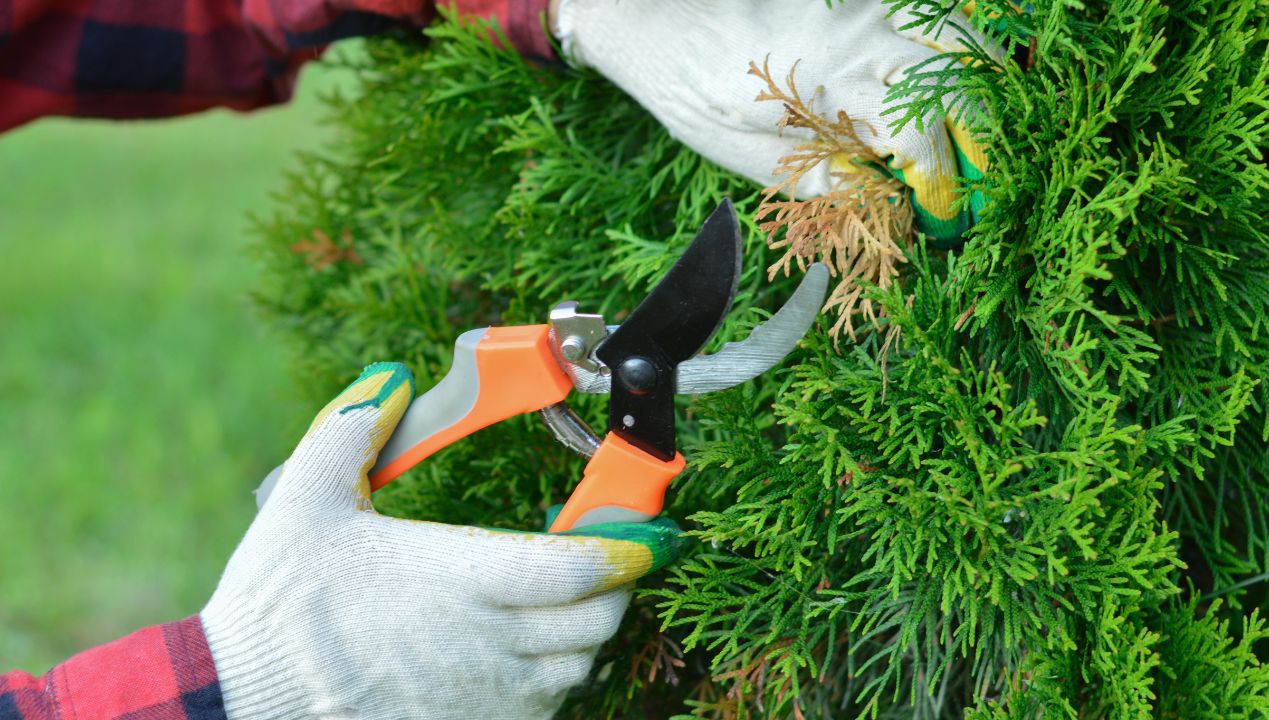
<point x="739" y="361"/>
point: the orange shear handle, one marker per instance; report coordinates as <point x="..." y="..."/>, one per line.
<point x="621" y="483"/>
<point x="498" y="372"/>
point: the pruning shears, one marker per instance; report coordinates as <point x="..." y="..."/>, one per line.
<point x="500" y="372"/>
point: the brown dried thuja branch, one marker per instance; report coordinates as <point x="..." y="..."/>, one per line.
<point x="321" y="251"/>
<point x="856" y="228"/>
<point x="662" y="655"/>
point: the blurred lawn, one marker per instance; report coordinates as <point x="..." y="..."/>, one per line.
<point x="142" y="399"/>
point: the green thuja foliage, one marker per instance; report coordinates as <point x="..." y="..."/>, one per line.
<point x="1036" y="488"/>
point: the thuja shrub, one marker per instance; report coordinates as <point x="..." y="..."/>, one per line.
<point x="1032" y="483"/>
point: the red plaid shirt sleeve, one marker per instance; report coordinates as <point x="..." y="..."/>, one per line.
<point x="159" y="673"/>
<point x="135" y="59"/>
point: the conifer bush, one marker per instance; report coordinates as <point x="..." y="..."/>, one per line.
<point x="1033" y="485"/>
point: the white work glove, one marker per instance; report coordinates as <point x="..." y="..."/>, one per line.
<point x="328" y="609"/>
<point x="687" y="62"/>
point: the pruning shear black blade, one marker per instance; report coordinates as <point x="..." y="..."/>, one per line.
<point x="670" y="326"/>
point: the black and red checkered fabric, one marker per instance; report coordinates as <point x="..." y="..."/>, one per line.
<point x="155" y="58"/>
<point x="163" y="672"/>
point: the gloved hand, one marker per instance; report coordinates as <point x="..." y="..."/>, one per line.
<point x="328" y="609"/>
<point x="686" y="61"/>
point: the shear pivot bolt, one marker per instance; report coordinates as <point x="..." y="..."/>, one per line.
<point x="638" y="375"/>
<point x="573" y="348"/>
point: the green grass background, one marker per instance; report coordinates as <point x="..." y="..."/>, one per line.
<point x="142" y="399"/>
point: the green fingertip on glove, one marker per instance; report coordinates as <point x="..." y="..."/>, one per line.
<point x="384" y="386"/>
<point x="939" y="213"/>
<point x="972" y="162"/>
<point x="662" y="538"/>
<point x="379" y="381"/>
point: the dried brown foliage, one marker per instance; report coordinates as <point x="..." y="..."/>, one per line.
<point x="661" y="655"/>
<point x="858" y="228"/>
<point x="320" y="252"/>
